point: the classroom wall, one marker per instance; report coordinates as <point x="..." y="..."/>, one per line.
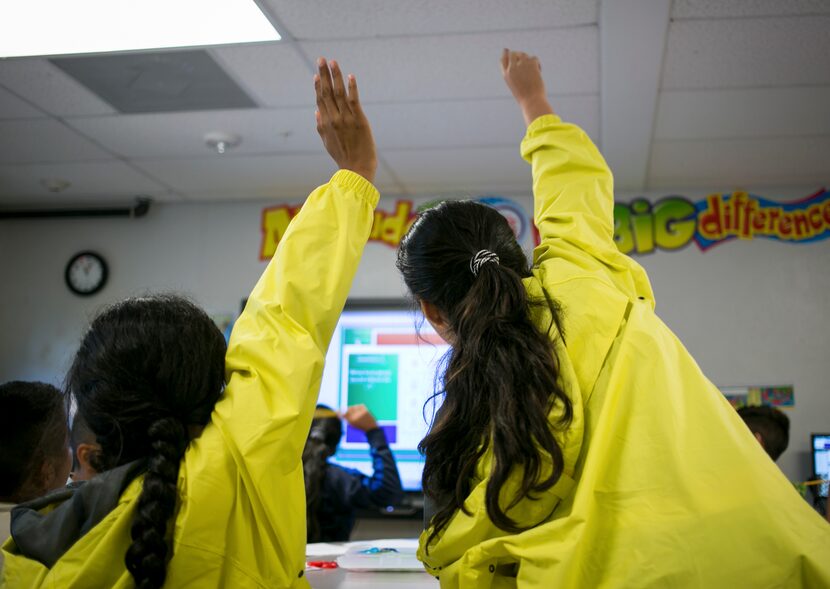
<point x="751" y="312"/>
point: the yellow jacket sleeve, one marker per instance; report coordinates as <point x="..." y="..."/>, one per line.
<point x="245" y="471"/>
<point x="274" y="366"/>
<point x="275" y="358"/>
<point x="573" y="202"/>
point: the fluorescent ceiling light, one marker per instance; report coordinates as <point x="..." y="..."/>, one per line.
<point x="60" y="27"/>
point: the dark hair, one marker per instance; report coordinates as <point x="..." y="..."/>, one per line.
<point x="325" y="434"/>
<point x="146" y="370"/>
<point x="81" y="434"/>
<point x="771" y="424"/>
<point x="33" y="430"/>
<point x="501" y="379"/>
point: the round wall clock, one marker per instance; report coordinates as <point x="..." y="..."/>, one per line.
<point x="86" y="273"/>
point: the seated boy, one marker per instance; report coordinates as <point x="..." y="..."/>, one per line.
<point x="34" y="445"/>
<point x="770" y="426"/>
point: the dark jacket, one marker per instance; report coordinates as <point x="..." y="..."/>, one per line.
<point x="346" y="489"/>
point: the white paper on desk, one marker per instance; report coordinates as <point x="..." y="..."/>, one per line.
<point x="325" y="549"/>
<point x="382" y="555"/>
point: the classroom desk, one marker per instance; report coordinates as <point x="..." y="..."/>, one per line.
<point x="340" y="578"/>
<point x="343" y="579"/>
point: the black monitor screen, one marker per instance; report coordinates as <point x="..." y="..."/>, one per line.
<point x="821" y="459"/>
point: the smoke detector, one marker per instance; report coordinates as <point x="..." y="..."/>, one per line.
<point x="220" y="142"/>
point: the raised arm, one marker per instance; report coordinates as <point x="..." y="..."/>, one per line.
<point x="275" y="357"/>
<point x="384" y="486"/>
<point x="572" y="185"/>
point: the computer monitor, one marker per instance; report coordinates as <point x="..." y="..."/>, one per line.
<point x="385" y="356"/>
<point x="821" y="460"/>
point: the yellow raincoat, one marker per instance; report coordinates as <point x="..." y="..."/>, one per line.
<point x="664" y="486"/>
<point x="241" y="513"/>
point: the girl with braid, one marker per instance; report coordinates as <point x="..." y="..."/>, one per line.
<point x="578" y="444"/>
<point x="203" y="446"/>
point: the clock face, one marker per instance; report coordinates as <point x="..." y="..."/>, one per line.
<point x="86" y="273"/>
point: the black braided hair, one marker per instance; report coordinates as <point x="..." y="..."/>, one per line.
<point x="147" y="555"/>
<point x="147" y="369"/>
<point x="325" y="434"/>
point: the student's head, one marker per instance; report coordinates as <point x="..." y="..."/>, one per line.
<point x="34" y="441"/>
<point x="86" y="452"/>
<point x="436" y="255"/>
<point x="326" y="428"/>
<point x="464" y="267"/>
<point x="770" y="426"/>
<point x="323" y="438"/>
<point x="148" y="371"/>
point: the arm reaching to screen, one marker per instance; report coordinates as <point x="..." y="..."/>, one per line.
<point x="384" y="486"/>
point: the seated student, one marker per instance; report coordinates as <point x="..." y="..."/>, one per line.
<point x="333" y="492"/>
<point x="34" y="449"/>
<point x="769" y="426"/>
<point x="34" y="441"/>
<point x="86" y="451"/>
<point x="204" y="486"/>
<point x="578" y="444"/>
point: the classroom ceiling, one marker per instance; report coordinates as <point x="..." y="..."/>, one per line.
<point x="689" y="94"/>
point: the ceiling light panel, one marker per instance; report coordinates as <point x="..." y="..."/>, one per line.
<point x="58" y="27"/>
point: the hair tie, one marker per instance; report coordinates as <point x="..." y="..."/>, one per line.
<point x="321" y="413"/>
<point x="481" y="258"/>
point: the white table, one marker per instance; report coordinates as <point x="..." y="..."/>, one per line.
<point x="344" y="579"/>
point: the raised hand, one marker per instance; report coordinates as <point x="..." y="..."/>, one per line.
<point x="359" y="416"/>
<point x="341" y="123"/>
<point x="523" y="75"/>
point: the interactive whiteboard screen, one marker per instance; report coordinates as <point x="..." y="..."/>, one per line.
<point x="385" y="356"/>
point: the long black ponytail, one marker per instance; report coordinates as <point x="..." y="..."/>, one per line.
<point x="502" y="376"/>
<point x="325" y="434"/>
<point x="147" y="371"/>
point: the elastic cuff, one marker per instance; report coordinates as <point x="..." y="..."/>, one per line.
<point x="376" y="438"/>
<point x="542" y="121"/>
<point x="359" y="184"/>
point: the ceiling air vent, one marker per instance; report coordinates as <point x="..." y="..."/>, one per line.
<point x="157" y="82"/>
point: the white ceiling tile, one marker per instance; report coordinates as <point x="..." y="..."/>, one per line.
<point x="182" y="134"/>
<point x="273" y="74"/>
<point x="460" y="171"/>
<point x="755" y="112"/>
<point x="468" y="123"/>
<point x="252" y="176"/>
<point x="740" y="163"/>
<point x="44" y="140"/>
<point x="88" y="179"/>
<point x="462" y="66"/>
<point x="12" y="107"/>
<point x="747" y="52"/>
<point x="322" y="19"/>
<point x="48" y="87"/>
<point x="744" y="8"/>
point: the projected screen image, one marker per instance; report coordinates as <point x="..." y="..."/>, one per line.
<point x="821" y="459"/>
<point x="379" y="358"/>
